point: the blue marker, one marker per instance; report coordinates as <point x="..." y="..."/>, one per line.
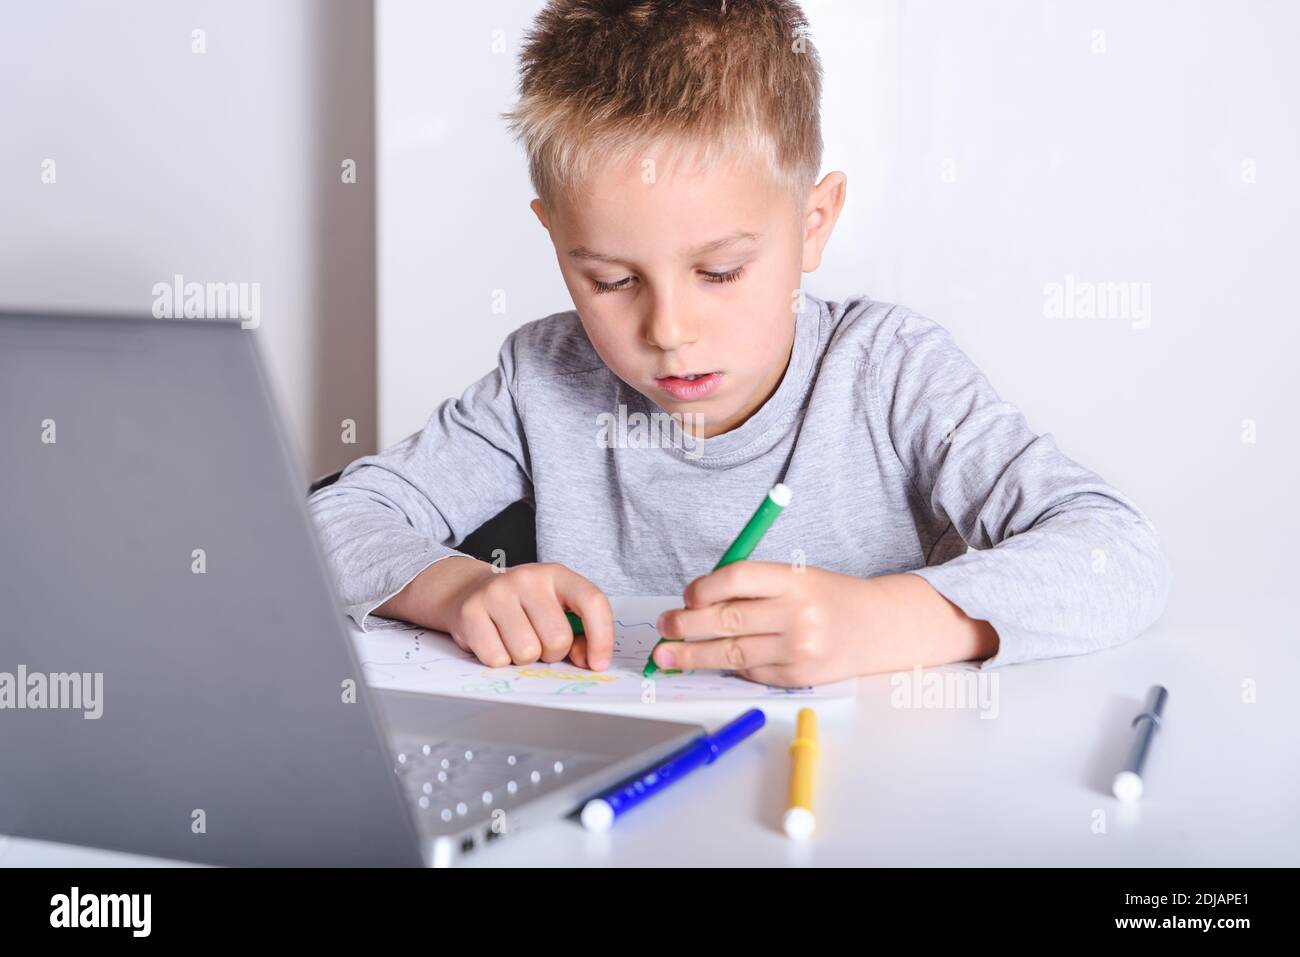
<point x="600" y="812"/>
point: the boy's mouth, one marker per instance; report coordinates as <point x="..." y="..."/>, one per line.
<point x="689" y="385"/>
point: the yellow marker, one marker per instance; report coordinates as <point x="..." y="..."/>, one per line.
<point x="799" y="820"/>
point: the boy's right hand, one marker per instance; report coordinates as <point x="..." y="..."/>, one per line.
<point x="515" y="615"/>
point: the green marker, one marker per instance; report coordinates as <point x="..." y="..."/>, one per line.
<point x="740" y="549"/>
<point x="574" y="622"/>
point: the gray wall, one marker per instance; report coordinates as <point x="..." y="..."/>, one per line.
<point x="222" y="166"/>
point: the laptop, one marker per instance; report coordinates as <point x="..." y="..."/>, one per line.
<point x="176" y="678"/>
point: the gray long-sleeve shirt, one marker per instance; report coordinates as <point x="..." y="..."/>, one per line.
<point x="898" y="451"/>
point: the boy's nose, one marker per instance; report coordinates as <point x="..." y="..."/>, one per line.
<point x="668" y="327"/>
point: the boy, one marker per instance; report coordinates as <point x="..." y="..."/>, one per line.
<point x="674" y="148"/>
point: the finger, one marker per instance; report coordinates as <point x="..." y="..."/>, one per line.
<point x="738" y="580"/>
<point x="724" y="654"/>
<point x="548" y="621"/>
<point x="726" y="619"/>
<point x="578" y="651"/>
<point x="480" y="636"/>
<point x="517" y="632"/>
<point x="778" y="676"/>
<point x="591" y="605"/>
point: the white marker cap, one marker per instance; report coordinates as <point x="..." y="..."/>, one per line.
<point x="780" y="494"/>
<point x="597" y="815"/>
<point x="1127" y="786"/>
<point x="799" y="823"/>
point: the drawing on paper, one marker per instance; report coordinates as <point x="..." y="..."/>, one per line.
<point x="413" y="659"/>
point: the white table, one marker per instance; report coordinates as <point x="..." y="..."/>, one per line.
<point x="948" y="787"/>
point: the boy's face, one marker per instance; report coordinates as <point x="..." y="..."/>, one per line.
<point x="687" y="286"/>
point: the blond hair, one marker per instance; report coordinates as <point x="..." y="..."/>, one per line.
<point x="616" y="80"/>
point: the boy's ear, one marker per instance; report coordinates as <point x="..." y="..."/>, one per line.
<point x="540" y="211"/>
<point x="824" y="205"/>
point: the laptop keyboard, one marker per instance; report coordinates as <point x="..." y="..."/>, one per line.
<point x="455" y="781"/>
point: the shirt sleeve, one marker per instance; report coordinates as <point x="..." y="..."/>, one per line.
<point x="1060" y="563"/>
<point x="392" y="515"/>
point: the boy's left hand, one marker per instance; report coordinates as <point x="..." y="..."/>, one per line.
<point x="792" y="626"/>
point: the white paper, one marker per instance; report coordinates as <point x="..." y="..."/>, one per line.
<point x="415" y="659"/>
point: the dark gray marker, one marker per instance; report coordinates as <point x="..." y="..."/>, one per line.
<point x="1128" y="782"/>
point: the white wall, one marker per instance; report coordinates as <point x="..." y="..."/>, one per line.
<point x="221" y="166"/>
<point x="452" y="204"/>
<point x="991" y="149"/>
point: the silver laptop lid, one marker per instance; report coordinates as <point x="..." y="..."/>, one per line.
<point x="160" y="580"/>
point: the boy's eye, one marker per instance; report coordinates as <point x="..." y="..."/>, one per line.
<point x="611" y="286"/>
<point x="729" y="276"/>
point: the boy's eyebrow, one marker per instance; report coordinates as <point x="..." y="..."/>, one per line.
<point x="713" y="245"/>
